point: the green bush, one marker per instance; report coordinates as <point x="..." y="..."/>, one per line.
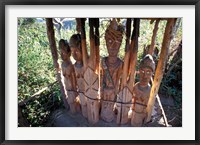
<point x="35" y="70"/>
<point x="35" y="64"/>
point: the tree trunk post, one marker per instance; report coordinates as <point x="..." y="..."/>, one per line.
<point x="153" y="39"/>
<point x="160" y="67"/>
<point x="97" y="43"/>
<point x="92" y="58"/>
<point x="127" y="53"/>
<point x="83" y="43"/>
<point x="52" y="42"/>
<point x="134" y="50"/>
<point x="91" y="78"/>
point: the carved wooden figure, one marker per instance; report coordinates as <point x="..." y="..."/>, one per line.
<point x="68" y="76"/>
<point x="111" y="71"/>
<point x="75" y="46"/>
<point x="124" y="99"/>
<point x="85" y="68"/>
<point x="141" y="91"/>
<point x="91" y="77"/>
<point x="91" y="91"/>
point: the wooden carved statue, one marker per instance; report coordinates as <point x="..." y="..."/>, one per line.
<point x="75" y="46"/>
<point x="111" y="71"/>
<point x="124" y="99"/>
<point x="68" y="76"/>
<point x="86" y="69"/>
<point x="91" y="72"/>
<point x="141" y="91"/>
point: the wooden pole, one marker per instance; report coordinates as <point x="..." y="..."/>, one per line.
<point x="134" y="50"/>
<point x="78" y="25"/>
<point x="92" y="80"/>
<point x="161" y="108"/>
<point x="97" y="43"/>
<point x="92" y="58"/>
<point x="52" y="42"/>
<point x="163" y="112"/>
<point x="127" y="53"/>
<point x="128" y="33"/>
<point x="160" y="67"/>
<point x="153" y="39"/>
<point x="83" y="43"/>
<point x="178" y="22"/>
<point x="124" y="94"/>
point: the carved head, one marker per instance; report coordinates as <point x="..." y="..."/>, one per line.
<point x="65" y="50"/>
<point x="146" y="69"/>
<point x="75" y="46"/>
<point x="114" y="36"/>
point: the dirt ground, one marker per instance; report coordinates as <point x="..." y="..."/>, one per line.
<point x="63" y="118"/>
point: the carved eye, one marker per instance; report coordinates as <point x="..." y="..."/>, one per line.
<point x="110" y="41"/>
<point x="142" y="71"/>
<point x="148" y="73"/>
<point x="117" y="41"/>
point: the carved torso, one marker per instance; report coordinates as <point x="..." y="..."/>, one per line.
<point x="79" y="74"/>
<point x="141" y="97"/>
<point x="68" y="72"/>
<point x="111" y="76"/>
<point x="111" y="84"/>
<point x="79" y="71"/>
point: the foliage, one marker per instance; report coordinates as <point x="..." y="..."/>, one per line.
<point x="35" y="67"/>
<point x="171" y="85"/>
<point x="26" y="21"/>
<point x="38" y="111"/>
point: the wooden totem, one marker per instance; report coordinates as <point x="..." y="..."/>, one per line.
<point x="68" y="77"/>
<point x="86" y="69"/>
<point x="91" y="73"/>
<point x="76" y="49"/>
<point x="124" y="100"/>
<point x="111" y="71"/>
<point x="141" y="91"/>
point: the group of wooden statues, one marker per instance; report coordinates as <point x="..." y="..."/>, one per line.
<point x="96" y="90"/>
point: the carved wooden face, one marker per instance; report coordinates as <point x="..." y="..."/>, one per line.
<point x="65" y="55"/>
<point x="65" y="50"/>
<point x="145" y="74"/>
<point x="76" y="53"/>
<point x="113" y="46"/>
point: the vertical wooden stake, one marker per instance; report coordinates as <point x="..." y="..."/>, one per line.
<point x="83" y="43"/>
<point x="92" y="58"/>
<point x="125" y="94"/>
<point x="160" y="67"/>
<point x="134" y="50"/>
<point x="78" y="25"/>
<point x="97" y="43"/>
<point x="127" y="53"/>
<point x="153" y="39"/>
<point x="52" y="42"/>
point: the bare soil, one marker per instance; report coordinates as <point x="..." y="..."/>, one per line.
<point x="64" y="118"/>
